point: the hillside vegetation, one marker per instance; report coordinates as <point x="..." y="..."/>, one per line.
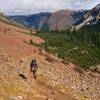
<point x="82" y="47"/>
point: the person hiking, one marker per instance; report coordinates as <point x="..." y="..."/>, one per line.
<point x="33" y="67"/>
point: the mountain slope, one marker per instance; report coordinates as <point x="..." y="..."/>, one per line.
<point x="56" y="80"/>
<point x="63" y="19"/>
<point x="90" y="17"/>
<point x="14" y="46"/>
<point x="7" y="20"/>
<point x="31" y="20"/>
<point x="58" y="20"/>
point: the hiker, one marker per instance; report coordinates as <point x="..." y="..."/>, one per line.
<point x="33" y="68"/>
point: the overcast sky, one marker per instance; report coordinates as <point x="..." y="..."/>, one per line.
<point x="36" y="6"/>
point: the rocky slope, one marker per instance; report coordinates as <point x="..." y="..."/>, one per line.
<point x="16" y="54"/>
<point x="64" y="19"/>
<point x="91" y="17"/>
<point x="58" y="20"/>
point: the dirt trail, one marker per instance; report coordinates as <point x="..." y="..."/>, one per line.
<point x="46" y="93"/>
<point x="50" y="93"/>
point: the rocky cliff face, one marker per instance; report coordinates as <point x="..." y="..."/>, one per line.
<point x="64" y="19"/>
<point x="91" y="17"/>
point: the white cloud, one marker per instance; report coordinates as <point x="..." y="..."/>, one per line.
<point x="35" y="6"/>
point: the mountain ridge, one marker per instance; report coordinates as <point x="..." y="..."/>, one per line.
<point x="60" y="20"/>
<point x="91" y="17"/>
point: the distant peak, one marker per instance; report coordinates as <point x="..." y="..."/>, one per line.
<point x="97" y="7"/>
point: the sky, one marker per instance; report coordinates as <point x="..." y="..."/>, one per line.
<point x="21" y="7"/>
